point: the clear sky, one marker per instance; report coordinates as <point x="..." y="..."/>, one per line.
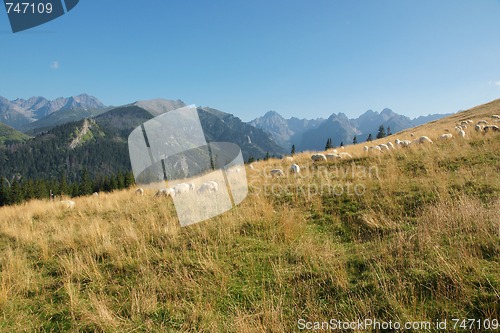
<point x="304" y="58"/>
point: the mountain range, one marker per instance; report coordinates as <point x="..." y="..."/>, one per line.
<point x="99" y="144"/>
<point x="36" y="112"/>
<point x="80" y="132"/>
<point x="312" y="134"/>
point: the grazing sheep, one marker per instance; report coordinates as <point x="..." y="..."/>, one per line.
<point x="482" y="122"/>
<point x="494" y="128"/>
<point x="461" y="134"/>
<point x="277" y="173"/>
<point x="406" y="143"/>
<point x="464" y="123"/>
<point x="412" y="135"/>
<point x="318" y="157"/>
<point x="464" y="127"/>
<point x="208" y="187"/>
<point x="478" y="128"/>
<point x="365" y="148"/>
<point x="251" y="167"/>
<point x="192" y="186"/>
<point x="470" y="121"/>
<point x="424" y="139"/>
<point x="345" y="154"/>
<point x="165" y="192"/>
<point x="384" y="147"/>
<point x="294" y="168"/>
<point x="377" y="148"/>
<point x="68" y="203"/>
<point x="390" y="145"/>
<point x="95" y="194"/>
<point x="332" y="156"/>
<point x="458" y="128"/>
<point x="181" y="188"/>
<point x="139" y="191"/>
<point x="495" y="116"/>
<point x="446" y="136"/>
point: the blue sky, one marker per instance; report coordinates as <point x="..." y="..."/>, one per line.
<point x="304" y="58"/>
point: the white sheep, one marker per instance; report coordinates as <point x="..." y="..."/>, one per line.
<point x="390" y="145"/>
<point x="166" y="192"/>
<point x="345" y="154"/>
<point x="482" y="122"/>
<point x="464" y="123"/>
<point x="365" y="148"/>
<point x="208" y="187"/>
<point x="181" y="188"/>
<point x="424" y="139"/>
<point x="470" y="121"/>
<point x="446" y="136"/>
<point x="192" y="186"/>
<point x="68" y="203"/>
<point x="294" y="168"/>
<point x="377" y="148"/>
<point x="478" y="128"/>
<point x="332" y="156"/>
<point x="461" y="134"/>
<point x="277" y="173"/>
<point x="384" y="147"/>
<point x="494" y="128"/>
<point x="251" y="167"/>
<point x="95" y="194"/>
<point x="495" y="116"/>
<point x="458" y="128"/>
<point x="318" y="157"/>
<point x="139" y="191"/>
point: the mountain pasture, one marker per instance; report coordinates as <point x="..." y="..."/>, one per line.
<point x="406" y="235"/>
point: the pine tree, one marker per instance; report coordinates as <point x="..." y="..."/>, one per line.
<point x="370" y="137"/>
<point x="4" y="192"/>
<point x="251" y="159"/>
<point x="329" y="144"/>
<point x="354" y="140"/>
<point x="389" y="130"/>
<point x="267" y="156"/>
<point x="293" y="150"/>
<point x="16" y="194"/>
<point x="341" y="143"/>
<point x="381" y="132"/>
<point x="85" y="187"/>
<point x="63" y="185"/>
<point x="129" y="179"/>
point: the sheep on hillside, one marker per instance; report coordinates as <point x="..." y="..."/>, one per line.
<point x="294" y="168"/>
<point x="495" y="116"/>
<point x="384" y="147"/>
<point x="208" y="187"/>
<point x="345" y="154"/>
<point x="424" y="139"/>
<point x="461" y="134"/>
<point x="482" y="122"/>
<point x="139" y="191"/>
<point x="446" y="136"/>
<point x="332" y="156"/>
<point x="318" y="157"/>
<point x="95" y="194"/>
<point x="478" y="128"/>
<point x="165" y="192"/>
<point x="390" y="145"/>
<point x="494" y="128"/>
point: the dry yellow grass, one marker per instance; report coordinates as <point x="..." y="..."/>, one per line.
<point x="420" y="242"/>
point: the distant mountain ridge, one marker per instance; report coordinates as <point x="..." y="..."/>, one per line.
<point x="312" y="134"/>
<point x="21" y="113"/>
<point x="100" y="144"/>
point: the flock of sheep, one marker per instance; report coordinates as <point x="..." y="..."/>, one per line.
<point x="481" y="126"/>
<point x="212" y="186"/>
<point x="179" y="189"/>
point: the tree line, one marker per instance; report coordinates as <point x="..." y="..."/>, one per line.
<point x="17" y="190"/>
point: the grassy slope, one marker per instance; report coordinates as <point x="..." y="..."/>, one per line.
<point x="421" y="243"/>
<point x="9" y="134"/>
